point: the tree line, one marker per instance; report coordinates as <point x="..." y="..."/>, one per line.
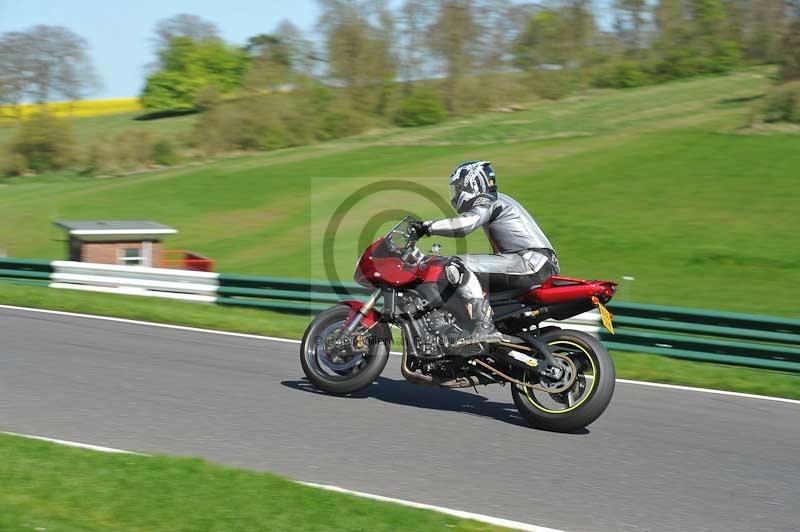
<point x="367" y="63"/>
<point x="375" y="54"/>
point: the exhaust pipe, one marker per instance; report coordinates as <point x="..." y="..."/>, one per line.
<point x="429" y="380"/>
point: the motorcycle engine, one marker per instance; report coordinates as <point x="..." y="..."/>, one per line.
<point x="440" y="324"/>
<point x="430" y="326"/>
<point x="436" y="320"/>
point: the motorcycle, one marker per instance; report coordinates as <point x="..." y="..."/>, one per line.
<point x="560" y="379"/>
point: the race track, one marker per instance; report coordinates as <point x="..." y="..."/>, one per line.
<point x="659" y="459"/>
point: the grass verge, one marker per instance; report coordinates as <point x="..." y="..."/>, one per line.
<point x="60" y="489"/>
<point x="637" y="366"/>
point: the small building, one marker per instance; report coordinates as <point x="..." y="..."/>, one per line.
<point x="124" y="242"/>
<point x="128" y="243"/>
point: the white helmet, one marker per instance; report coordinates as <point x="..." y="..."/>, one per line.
<point x="470" y="180"/>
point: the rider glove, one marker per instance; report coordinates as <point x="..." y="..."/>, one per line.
<point x="419" y="229"/>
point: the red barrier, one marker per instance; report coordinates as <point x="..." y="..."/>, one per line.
<point x="182" y="259"/>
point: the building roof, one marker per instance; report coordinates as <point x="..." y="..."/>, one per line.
<point x="115" y="229"/>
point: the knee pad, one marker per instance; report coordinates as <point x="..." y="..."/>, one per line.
<point x="463" y="280"/>
<point x="454" y="275"/>
<point x="456" y="272"/>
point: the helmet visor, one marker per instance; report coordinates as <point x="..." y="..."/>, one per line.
<point x="456" y="194"/>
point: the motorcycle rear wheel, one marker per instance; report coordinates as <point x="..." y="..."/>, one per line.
<point x="340" y="379"/>
<point x="588" y="396"/>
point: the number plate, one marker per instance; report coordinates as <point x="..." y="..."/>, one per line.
<point x="605" y="315"/>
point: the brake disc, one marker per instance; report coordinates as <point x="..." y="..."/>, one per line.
<point x="338" y="357"/>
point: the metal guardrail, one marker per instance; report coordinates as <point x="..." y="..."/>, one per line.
<point x="25" y="272"/>
<point x="705" y="335"/>
<point x="711" y="336"/>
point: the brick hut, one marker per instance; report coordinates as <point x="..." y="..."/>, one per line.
<point x="129" y="243"/>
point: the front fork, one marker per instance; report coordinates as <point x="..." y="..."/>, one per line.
<point x="360" y="314"/>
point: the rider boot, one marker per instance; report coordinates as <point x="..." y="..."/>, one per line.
<point x="472" y="310"/>
<point x="483" y="319"/>
<point x="483" y="330"/>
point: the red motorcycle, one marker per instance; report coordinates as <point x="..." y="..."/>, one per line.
<point x="561" y="380"/>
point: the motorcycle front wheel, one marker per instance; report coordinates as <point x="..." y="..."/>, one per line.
<point x="337" y="368"/>
<point x="583" y="402"/>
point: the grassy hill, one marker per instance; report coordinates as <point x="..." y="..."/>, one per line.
<point x="663" y="184"/>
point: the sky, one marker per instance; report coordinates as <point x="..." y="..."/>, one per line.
<point x="119" y="31"/>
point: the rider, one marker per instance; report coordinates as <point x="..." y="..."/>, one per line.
<point x="523" y="256"/>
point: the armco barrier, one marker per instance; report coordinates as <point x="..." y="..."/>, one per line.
<point x="695" y="334"/>
<point x="709" y="336"/>
<point x="27" y="272"/>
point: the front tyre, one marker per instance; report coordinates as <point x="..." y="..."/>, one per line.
<point x="337" y="368"/>
<point x="585" y="400"/>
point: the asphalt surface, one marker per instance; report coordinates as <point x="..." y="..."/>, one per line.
<point x="658" y="459"/>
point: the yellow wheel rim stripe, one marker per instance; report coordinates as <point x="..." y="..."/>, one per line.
<point x="585" y="395"/>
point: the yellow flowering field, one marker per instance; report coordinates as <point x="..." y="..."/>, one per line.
<point x="79" y="108"/>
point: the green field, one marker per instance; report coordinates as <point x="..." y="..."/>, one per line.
<point x="664" y="184"/>
<point x="60" y="489"/>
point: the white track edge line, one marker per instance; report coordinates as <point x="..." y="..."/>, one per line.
<point x="152" y="324"/>
<point x="498" y="521"/>
<point x="293" y="341"/>
<point x="710" y="391"/>
<point x="71" y="443"/>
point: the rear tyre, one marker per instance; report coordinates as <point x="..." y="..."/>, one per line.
<point x="341" y="371"/>
<point x="585" y="400"/>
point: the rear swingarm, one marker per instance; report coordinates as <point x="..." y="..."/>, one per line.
<point x="546" y="365"/>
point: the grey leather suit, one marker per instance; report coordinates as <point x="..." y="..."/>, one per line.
<point x="523" y="256"/>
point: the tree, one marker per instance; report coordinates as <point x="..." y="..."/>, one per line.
<point x="281" y="57"/>
<point x="187" y="66"/>
<point x="494" y="43"/>
<point x="45" y="142"/>
<point x="545" y="52"/>
<point x="183" y="25"/>
<point x="45" y="62"/>
<point x="59" y="64"/>
<point x="414" y="18"/>
<point x="302" y="56"/>
<point x="696" y="36"/>
<point x="13" y="67"/>
<point x="629" y="23"/>
<point x="791" y="42"/>
<point x="767" y="24"/>
<point x="271" y="63"/>
<point x="580" y="28"/>
<point x="541" y="43"/>
<point x="451" y="39"/>
<point x="671" y="25"/>
<point x="420" y="108"/>
<point x="560" y="35"/>
<point x="358" y="37"/>
<point x="712" y="36"/>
